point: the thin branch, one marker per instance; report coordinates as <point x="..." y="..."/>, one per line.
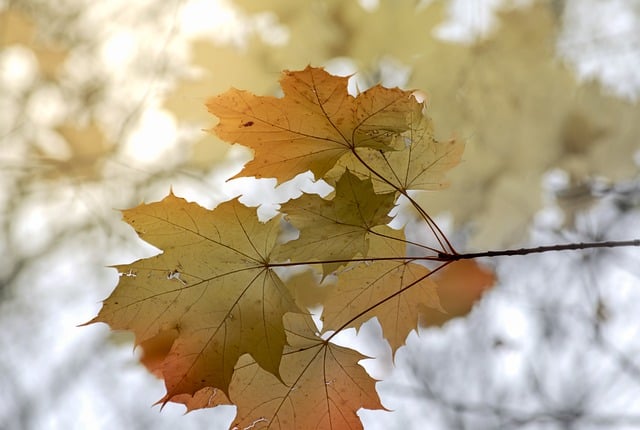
<point x="445" y="257"/>
<point x="539" y="249"/>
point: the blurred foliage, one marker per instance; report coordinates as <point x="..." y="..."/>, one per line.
<point x="520" y="109"/>
<point x="79" y="81"/>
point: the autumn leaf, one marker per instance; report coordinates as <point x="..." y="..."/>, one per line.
<point x="460" y="285"/>
<point x="156" y="349"/>
<point x="210" y="288"/>
<point x="324" y="386"/>
<point x="306" y="288"/>
<point x="336" y="230"/>
<point x="393" y="291"/>
<point x="420" y="165"/>
<point x="313" y="125"/>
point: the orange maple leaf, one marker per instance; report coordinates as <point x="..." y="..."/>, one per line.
<point x="323" y="386"/>
<point x="313" y="125"/>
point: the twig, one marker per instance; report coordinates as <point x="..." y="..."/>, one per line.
<point x="442" y="256"/>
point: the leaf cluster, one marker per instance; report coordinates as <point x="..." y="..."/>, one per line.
<point x="216" y="314"/>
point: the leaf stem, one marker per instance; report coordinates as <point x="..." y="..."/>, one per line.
<point x="348" y="323"/>
<point x="439" y="235"/>
<point x="399" y="258"/>
<point x="435" y="229"/>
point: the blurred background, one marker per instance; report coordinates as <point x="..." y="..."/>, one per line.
<point x="102" y="107"/>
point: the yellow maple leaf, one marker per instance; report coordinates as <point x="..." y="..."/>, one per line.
<point x="421" y="165"/>
<point x="335" y="230"/>
<point x="210" y="289"/>
<point x="393" y="291"/>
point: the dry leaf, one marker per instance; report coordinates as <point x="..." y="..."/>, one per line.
<point x="313" y="125"/>
<point x="211" y="284"/>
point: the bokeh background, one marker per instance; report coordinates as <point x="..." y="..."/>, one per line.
<point x="102" y="107"/>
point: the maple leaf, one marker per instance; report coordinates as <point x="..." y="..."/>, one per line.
<point x="210" y="289"/>
<point x="324" y="386"/>
<point x="313" y="125"/>
<point x="459" y="285"/>
<point x="336" y="230"/>
<point x="420" y="165"/>
<point x="306" y="289"/>
<point x="394" y="291"/>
